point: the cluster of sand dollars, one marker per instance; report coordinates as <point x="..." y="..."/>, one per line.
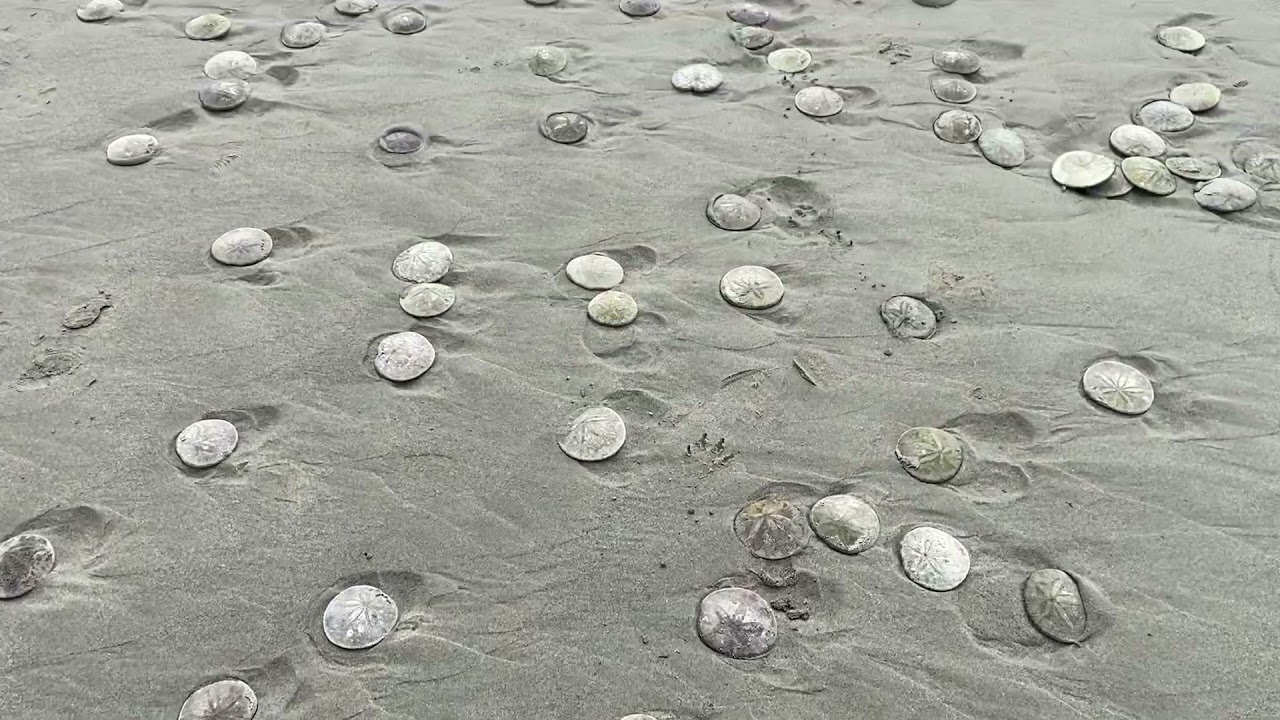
<point x="403" y="356"/>
<point x="1000" y="146"/>
<point x="597" y="271"/>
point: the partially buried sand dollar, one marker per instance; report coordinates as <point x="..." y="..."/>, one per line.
<point x="547" y="60"/>
<point x="697" y="78"/>
<point x="1165" y="116"/>
<point x="846" y="523"/>
<point x="401" y="139"/>
<point x="613" y="308"/>
<point x="737" y="623"/>
<point x="908" y="317"/>
<point x="1114" y="187"/>
<point x="594" y="272"/>
<point x="1196" y="97"/>
<point x="206" y="443"/>
<point x="404" y="20"/>
<point x="1119" y="387"/>
<point x="354" y="7"/>
<point x="771" y="528"/>
<point x="639" y="8"/>
<point x="132" y="149"/>
<point x="223" y="95"/>
<point x="957" y="126"/>
<point x="1194" y="168"/>
<point x="790" y="60"/>
<point x="1137" y="141"/>
<point x="728" y="211"/>
<point x="933" y="559"/>
<point x="1002" y="147"/>
<point x="565" y="128"/>
<point x="1180" y="38"/>
<point x="424" y="262"/>
<point x="1149" y="175"/>
<point x="1054" y="605"/>
<point x="208" y="27"/>
<point x="818" y="101"/>
<point x="1258" y="159"/>
<point x="751" y="37"/>
<point x="957" y="60"/>
<point x="751" y="287"/>
<point x="301" y="34"/>
<point x="1081" y="169"/>
<point x="934" y="3"/>
<point x="242" y="246"/>
<point x="929" y="454"/>
<point x="952" y="89"/>
<point x="231" y="65"/>
<point x="359" y="617"/>
<point x="403" y="356"/>
<point x="229" y="699"/>
<point x="596" y="434"/>
<point x="748" y="13"/>
<point x="99" y="10"/>
<point x="24" y="560"/>
<point x="1225" y="195"/>
<point x="426" y="300"/>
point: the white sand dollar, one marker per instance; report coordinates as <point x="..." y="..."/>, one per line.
<point x="405" y="20"/>
<point x="1137" y="141"/>
<point x="1054" y="605"/>
<point x="223" y="95"/>
<point x="934" y="3"/>
<point x="1165" y="116"/>
<point x="231" y="65"/>
<point x="242" y="246"/>
<point x="818" y="101"/>
<point x="790" y="60"/>
<point x="1181" y="38"/>
<point x="565" y="128"/>
<point x="1258" y="159"/>
<point x="1117" y="386"/>
<point x="953" y="89"/>
<point x="229" y="699"/>
<point x="1115" y="186"/>
<point x="547" y="60"/>
<point x="597" y="434"/>
<point x="929" y="454"/>
<point x="613" y="308"/>
<point x="426" y="300"/>
<point x="302" y="34"/>
<point x="360" y="617"/>
<point x="697" y="78"/>
<point x="1003" y="147"/>
<point x="908" y="317"/>
<point x="751" y="287"/>
<point x="1225" y="195"/>
<point x="594" y="272"/>
<point x="737" y="623"/>
<point x="728" y="211"/>
<point x="1194" y="168"/>
<point x="403" y="356"/>
<point x="99" y="10"/>
<point x="1082" y="169"/>
<point x="748" y="13"/>
<point x="354" y="7"/>
<point x="846" y="523"/>
<point x="771" y="528"/>
<point x="751" y="37"/>
<point x="1196" y="97"/>
<point x="132" y="149"/>
<point x="424" y="262"/>
<point x="208" y="27"/>
<point x="206" y="443"/>
<point x="957" y="60"/>
<point x="1149" y="174"/>
<point x="639" y="8"/>
<point x="25" y="559"/>
<point x="957" y="126"/>
<point x="933" y="559"/>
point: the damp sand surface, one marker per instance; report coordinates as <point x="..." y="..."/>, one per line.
<point x="530" y="584"/>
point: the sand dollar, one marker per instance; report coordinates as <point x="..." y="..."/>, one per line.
<point x="1003" y="147"/>
<point x="957" y="60"/>
<point x="403" y="356"/>
<point x="360" y="617"/>
<point x="206" y="443"/>
<point x="952" y="89"/>
<point x="598" y="433"/>
<point x="302" y="34"/>
<point x="1137" y="141"/>
<point x="790" y="60"/>
<point x="639" y="8"/>
<point x="846" y="523"/>
<point x="733" y="212"/>
<point x="1180" y="38"/>
<point x="638" y="716"/>
<point x="542" y="2"/>
<point x="1114" y="187"/>
<point x="99" y="10"/>
<point x="425" y="300"/>
<point x="1258" y="159"/>
<point x="594" y="272"/>
<point x="132" y="149"/>
<point x="546" y="60"/>
<point x="231" y="65"/>
<point x="1194" y="168"/>
<point x="405" y="20"/>
<point x="401" y="139"/>
<point x="24" y="560"/>
<point x="934" y="3"/>
<point x="424" y="262"/>
<point x="223" y="95"/>
<point x="697" y="78"/>
<point x="748" y="14"/>
<point x="354" y="7"/>
<point x="908" y="317"/>
<point x="737" y="623"/>
<point x="229" y="699"/>
<point x="957" y="126"/>
<point x="751" y="287"/>
<point x="613" y="308"/>
<point x="1165" y="116"/>
<point x="565" y="128"/>
<point x="751" y="37"/>
<point x="1224" y="195"/>
<point x="1082" y="169"/>
<point x="933" y="559"/>
<point x="1149" y="174"/>
<point x="242" y="246"/>
<point x="207" y="27"/>
<point x="771" y="528"/>
<point x="1119" y="387"/>
<point x="1053" y="604"/>
<point x="818" y="101"/>
<point x="929" y="454"/>
<point x="1196" y="97"/>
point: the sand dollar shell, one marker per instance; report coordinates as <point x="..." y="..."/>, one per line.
<point x="1258" y="159"/>
<point x="790" y="60"/>
<point x="1054" y="606"/>
<point x="401" y="139"/>
<point x="751" y="37"/>
<point x="565" y="128"/>
<point x="1082" y="169"/>
<point x="929" y="454"/>
<point x="1119" y="387"/>
<point x="207" y="27"/>
<point x="546" y="60"/>
<point x="952" y="89"/>
<point x="737" y="623"/>
<point x="594" y="272"/>
<point x="818" y="101"/>
<point x="639" y="8"/>
<point x="424" y="262"/>
<point x="613" y="308"/>
<point x="231" y="65"/>
<point x="1003" y="147"/>
<point x="1224" y="195"/>
<point x="99" y="10"/>
<point x="302" y="34"/>
<point x="1165" y="116"/>
<point x="405" y="20"/>
<point x="638" y="716"/>
<point x="1115" y="186"/>
<point x="1180" y="38"/>
<point x="697" y="78"/>
<point x="596" y="434"/>
<point x="360" y="617"/>
<point x="934" y="3"/>
<point x="242" y="246"/>
<point x="771" y="528"/>
<point x="222" y="700"/>
<point x="957" y="60"/>
<point x="132" y="149"/>
<point x="425" y="300"/>
<point x="957" y="126"/>
<point x="542" y="2"/>
<point x="1196" y="97"/>
<point x="751" y="287"/>
<point x="354" y="7"/>
<point x="748" y="14"/>
<point x="933" y="559"/>
<point x="846" y="523"/>
<point x="907" y="317"/>
<point x="1137" y="141"/>
<point x="206" y="443"/>
<point x="403" y="356"/>
<point x="1194" y="168"/>
<point x="223" y="95"/>
<point x="1149" y="174"/>
<point x="24" y="560"/>
<point x="733" y="212"/>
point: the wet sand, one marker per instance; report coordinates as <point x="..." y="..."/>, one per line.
<point x="530" y="585"/>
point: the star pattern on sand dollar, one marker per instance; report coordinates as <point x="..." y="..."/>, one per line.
<point x="751" y="286"/>
<point x="930" y="560"/>
<point x="1120" y="389"/>
<point x="1054" y="601"/>
<point x="841" y="526"/>
<point x="592" y="432"/>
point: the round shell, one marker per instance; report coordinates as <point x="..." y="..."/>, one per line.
<point x="613" y="308"/>
<point x="697" y="78"/>
<point x="222" y="700"/>
<point x="547" y="60"/>
<point x="771" y="528"/>
<point x="403" y="356"/>
<point x="594" y="272"/>
<point x="1003" y="147"/>
<point x="639" y="8"/>
<point x="542" y="2"/>
<point x="1119" y="387"/>
<point x="303" y="34"/>
<point x="846" y="523"/>
<point x="929" y="454"/>
<point x="597" y="434"/>
<point x="1196" y="97"/>
<point x="354" y="7"/>
<point x="751" y="287"/>
<point x="1194" y="168"/>
<point x="1180" y="38"/>
<point x="1165" y="116"/>
<point x="401" y="140"/>
<point x="565" y="128"/>
<point x="425" y="300"/>
<point x="733" y="212"/>
<point x="24" y="560"/>
<point x="223" y="95"/>
<point x="790" y="60"/>
<point x="405" y="21"/>
<point x="205" y="443"/>
<point x="1054" y="606"/>
<point x="231" y="65"/>
<point x="1224" y="195"/>
<point x="748" y="14"/>
<point x="1137" y="141"/>
<point x="1258" y="159"/>
<point x="952" y="89"/>
<point x="933" y="559"/>
<point x="424" y="262"/>
<point x="751" y="37"/>
<point x="737" y="623"/>
<point x="1082" y="169"/>
<point x="638" y="716"/>
<point x="360" y="617"/>
<point x="934" y="3"/>
<point x="132" y="149"/>
<point x="818" y="101"/>
<point x="957" y="60"/>
<point x="1149" y="174"/>
<point x="99" y="10"/>
<point x="207" y="27"/>
<point x="957" y="126"/>
<point x="242" y="246"/>
<point x="1115" y="186"/>
<point x="907" y="317"/>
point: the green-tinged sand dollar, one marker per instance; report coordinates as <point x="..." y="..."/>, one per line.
<point x="1054" y="605"/>
<point x="929" y="454"/>
<point x="565" y="128"/>
<point x="1137" y="141"/>
<point x="594" y="272"/>
<point x="1149" y="175"/>
<point x="354" y="8"/>
<point x="132" y="149"/>
<point x="597" y="434"/>
<point x="613" y="308"/>
<point x="99" y="10"/>
<point x="957" y="126"/>
<point x="1258" y="159"/>
<point x="907" y="317"/>
<point x="1225" y="195"/>
<point x="771" y="528"/>
<point x="231" y="65"/>
<point x="547" y="60"/>
<point x="728" y="211"/>
<point x="639" y="8"/>
<point x="426" y="300"/>
<point x="401" y="139"/>
<point x="1115" y="186"/>
<point x="697" y="78"/>
<point x="403" y="356"/>
<point x="1082" y="169"/>
<point x="790" y="60"/>
<point x="933" y="559"/>
<point x="1194" y="168"/>
<point x="1165" y="116"/>
<point x="737" y="623"/>
<point x="1003" y="147"/>
<point x="818" y="101"/>
<point x="242" y="246"/>
<point x="359" y="617"/>
<point x="952" y="89"/>
<point x="748" y="13"/>
<point x="957" y="60"/>
<point x="207" y="27"/>
<point x="846" y="523"/>
<point x="751" y="37"/>
<point x="1181" y="38"/>
<point x="1117" y="386"/>
<point x="223" y="95"/>
<point x="424" y="262"/>
<point x="751" y="287"/>
<point x="229" y="699"/>
<point x="302" y="34"/>
<point x="205" y="443"/>
<point x="1196" y="97"/>
<point x="25" y="559"/>
<point x="405" y="20"/>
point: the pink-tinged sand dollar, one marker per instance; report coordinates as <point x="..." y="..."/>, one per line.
<point x="1181" y="38"/>
<point x="1165" y="116"/>
<point x="25" y="559"/>
<point x="1137" y="141"/>
<point x="1082" y="169"/>
<point x="933" y="559"/>
<point x="242" y="246"/>
<point x="728" y="211"/>
<point x="737" y="623"/>
<point x="957" y="126"/>
<point x="360" y="617"/>
<point x="819" y="102"/>
<point x="132" y="149"/>
<point x="771" y="528"/>
<point x="697" y="78"/>
<point x="424" y="262"/>
<point x="908" y="317"/>
<point x="929" y="454"/>
<point x="229" y="699"/>
<point x="403" y="356"/>
<point x="1002" y="147"/>
<point x="594" y="272"/>
<point x="1196" y="97"/>
<point x="99" y="10"/>
<point x="427" y="300"/>
<point x="751" y="287"/>
<point x="205" y="443"/>
<point x="845" y="523"/>
<point x="1054" y="605"/>
<point x="597" y="434"/>
<point x="231" y="65"/>
<point x="1198" y="169"/>
<point x="1149" y="175"/>
<point x="957" y="60"/>
<point x="613" y="308"/>
<point x="1225" y="195"/>
<point x="207" y="27"/>
<point x="1118" y="386"/>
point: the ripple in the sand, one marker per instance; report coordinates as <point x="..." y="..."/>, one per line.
<point x="205" y="443"/>
<point x="1194" y="168"/>
<point x="594" y="272"/>
<point x="790" y="60"/>
<point x="596" y="434"/>
<point x="907" y="317"/>
<point x="1082" y="169"/>
<point x="223" y="95"/>
<point x="738" y="623"/>
<point x="1053" y="604"/>
<point x="748" y="14"/>
<point x="1003" y="147"/>
<point x="354" y="7"/>
<point x="360" y="617"/>
<point x="1149" y="175"/>
<point x="302" y="34"/>
<point x="401" y="140"/>
<point x="751" y="37"/>
<point x="547" y="60"/>
<point x="132" y="149"/>
<point x="751" y="287"/>
<point x="846" y="523"/>
<point x="1114" y="187"/>
<point x="933" y="559"/>
<point x="427" y="300"/>
<point x="24" y="560"/>
<point x="957" y="60"/>
<point x="231" y="65"/>
<point x="1258" y="159"/>
<point x="1119" y="387"/>
<point x="242" y="246"/>
<point x="952" y="89"/>
<point x="1137" y="141"/>
<point x="222" y="700"/>
<point x="1181" y="38"/>
<point x="1225" y="195"/>
<point x="405" y="20"/>
<point x="208" y="27"/>
<point x="771" y="528"/>
<point x="1165" y="116"/>
<point x="613" y="308"/>
<point x="403" y="356"/>
<point x="1196" y="97"/>
<point x="424" y="262"/>
<point x="697" y="78"/>
<point x="99" y="10"/>
<point x="929" y="454"/>
<point x="733" y="212"/>
<point x="565" y="128"/>
<point x="957" y="126"/>
<point x="639" y="8"/>
<point x="818" y="101"/>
